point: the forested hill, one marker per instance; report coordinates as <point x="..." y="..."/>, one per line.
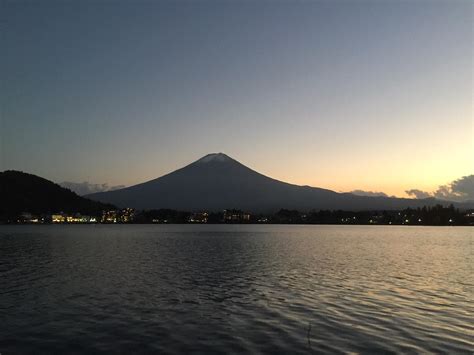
<point x="22" y="192"/>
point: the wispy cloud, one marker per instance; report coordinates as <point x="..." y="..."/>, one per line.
<point x="84" y="188"/>
<point x="369" y="193"/>
<point x="461" y="189"/>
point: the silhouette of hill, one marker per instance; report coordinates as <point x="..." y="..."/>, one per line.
<point x="22" y="192"/>
<point x="217" y="182"/>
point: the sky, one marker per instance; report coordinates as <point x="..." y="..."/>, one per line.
<point x="345" y="95"/>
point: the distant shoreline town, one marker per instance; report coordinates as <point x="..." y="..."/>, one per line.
<point x="29" y="199"/>
<point x="435" y="216"/>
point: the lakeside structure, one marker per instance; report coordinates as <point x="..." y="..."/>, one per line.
<point x="125" y="215"/>
<point x="437" y="215"/>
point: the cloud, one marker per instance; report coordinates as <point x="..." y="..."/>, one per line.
<point x="369" y="193"/>
<point x="418" y="193"/>
<point x="84" y="188"/>
<point x="464" y="187"/>
<point x="461" y="189"/>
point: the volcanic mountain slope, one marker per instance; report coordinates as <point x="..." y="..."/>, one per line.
<point x="217" y="182"/>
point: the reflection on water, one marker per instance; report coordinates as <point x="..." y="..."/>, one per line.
<point x="235" y="288"/>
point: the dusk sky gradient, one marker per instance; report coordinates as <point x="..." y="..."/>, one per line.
<point x="345" y="95"/>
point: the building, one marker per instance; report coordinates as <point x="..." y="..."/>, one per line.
<point x="58" y="218"/>
<point x="72" y="218"/>
<point x="110" y="216"/>
<point x="127" y="215"/>
<point x="27" y="217"/>
<point x="236" y="216"/>
<point x="198" y="217"/>
<point x="118" y="216"/>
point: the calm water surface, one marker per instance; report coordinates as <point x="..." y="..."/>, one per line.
<point x="237" y="288"/>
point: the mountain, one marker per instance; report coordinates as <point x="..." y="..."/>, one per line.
<point x="22" y="192"/>
<point x="217" y="182"/>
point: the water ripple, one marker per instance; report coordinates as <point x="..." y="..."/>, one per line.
<point x="239" y="289"/>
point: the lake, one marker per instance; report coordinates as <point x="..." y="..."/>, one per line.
<point x="236" y="288"/>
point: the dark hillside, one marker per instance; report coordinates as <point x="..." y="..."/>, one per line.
<point x="22" y="192"/>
